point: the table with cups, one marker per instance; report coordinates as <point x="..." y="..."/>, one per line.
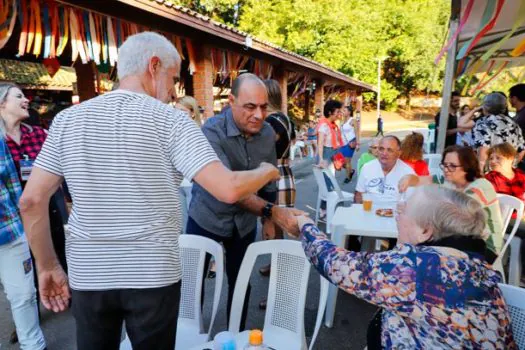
<point x="355" y="220"/>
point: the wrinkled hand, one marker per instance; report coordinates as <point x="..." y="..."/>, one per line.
<point x="268" y="229"/>
<point x="286" y="218"/>
<point x="54" y="288"/>
<point x="407" y="181"/>
<point x="303" y="220"/>
<point x="271" y="170"/>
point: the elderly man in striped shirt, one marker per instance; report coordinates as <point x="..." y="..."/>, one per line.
<point x="124" y="155"/>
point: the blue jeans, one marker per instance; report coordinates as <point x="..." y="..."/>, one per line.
<point x="16" y="275"/>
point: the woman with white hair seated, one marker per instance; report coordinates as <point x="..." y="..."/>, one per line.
<point x="435" y="289"/>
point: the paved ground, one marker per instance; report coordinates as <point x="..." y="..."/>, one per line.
<point x="348" y="332"/>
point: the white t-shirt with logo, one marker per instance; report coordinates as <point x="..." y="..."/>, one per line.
<point x="383" y="188"/>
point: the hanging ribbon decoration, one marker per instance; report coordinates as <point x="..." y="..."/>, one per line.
<point x="519" y="21"/>
<point x="178" y="45"/>
<point x="518" y="50"/>
<point x="486" y="25"/>
<point x="53" y="14"/>
<point x="192" y="67"/>
<point x="95" y="43"/>
<point x="23" y="17"/>
<point x="454" y="37"/>
<point x="31" y="28"/>
<point x="487" y="72"/>
<point x="47" y="30"/>
<point x="500" y="69"/>
<point x="37" y="48"/>
<point x="63" y="30"/>
<point x="4" y="36"/>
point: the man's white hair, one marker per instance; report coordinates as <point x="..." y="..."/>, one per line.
<point x="136" y="52"/>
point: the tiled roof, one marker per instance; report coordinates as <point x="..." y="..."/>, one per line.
<point x="266" y="46"/>
<point x="35" y="75"/>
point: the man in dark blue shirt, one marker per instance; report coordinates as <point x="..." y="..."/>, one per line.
<point x="242" y="140"/>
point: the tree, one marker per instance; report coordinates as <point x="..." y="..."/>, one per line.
<point x="349" y="35"/>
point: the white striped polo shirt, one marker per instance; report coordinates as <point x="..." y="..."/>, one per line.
<point x="123" y="156"/>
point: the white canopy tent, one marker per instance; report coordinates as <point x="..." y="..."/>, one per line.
<point x="495" y="29"/>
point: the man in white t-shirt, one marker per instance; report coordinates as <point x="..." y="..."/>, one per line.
<point x="124" y="155"/>
<point x="380" y="177"/>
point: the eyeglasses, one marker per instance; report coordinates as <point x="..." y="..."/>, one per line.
<point x="449" y="166"/>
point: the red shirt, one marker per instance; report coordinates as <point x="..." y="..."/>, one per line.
<point x="31" y="142"/>
<point x="419" y="166"/>
<point x="513" y="187"/>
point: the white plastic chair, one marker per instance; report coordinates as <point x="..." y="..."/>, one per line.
<point x="190" y="326"/>
<point x="296" y="146"/>
<point x="429" y="140"/>
<point x="434" y="160"/>
<point x="515" y="300"/>
<point x="284" y="319"/>
<point x="509" y="205"/>
<point x="332" y="198"/>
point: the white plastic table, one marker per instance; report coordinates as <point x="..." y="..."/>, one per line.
<point x="355" y="221"/>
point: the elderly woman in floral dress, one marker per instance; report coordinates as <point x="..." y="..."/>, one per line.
<point x="435" y="289"/>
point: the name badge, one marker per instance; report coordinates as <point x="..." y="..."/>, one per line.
<point x="26" y="166"/>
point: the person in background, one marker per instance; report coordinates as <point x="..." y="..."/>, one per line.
<point x="380" y="123"/>
<point x="329" y="138"/>
<point x="311" y="138"/>
<point x="502" y="175"/>
<point x="284" y="135"/>
<point x="373" y="151"/>
<point x="464" y="137"/>
<point x="16" y="263"/>
<point x="466" y="122"/>
<point x="189" y="104"/>
<point x="381" y="176"/>
<point x="350" y="141"/>
<point x="412" y="153"/>
<point x="517" y="101"/>
<point x="452" y="126"/>
<point x="496" y="128"/>
<point x="435" y="289"/>
<point x="242" y="140"/>
<point x="123" y="250"/>
<point x="462" y="173"/>
<point x="25" y="142"/>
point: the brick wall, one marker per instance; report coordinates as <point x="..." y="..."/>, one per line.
<point x="203" y="80"/>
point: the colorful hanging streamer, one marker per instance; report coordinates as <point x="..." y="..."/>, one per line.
<point x="487" y="23"/>
<point x="517" y="23"/>
<point x="500" y="69"/>
<point x="518" y="50"/>
<point x="454" y="37"/>
<point x="487" y="72"/>
<point x="10" y="20"/>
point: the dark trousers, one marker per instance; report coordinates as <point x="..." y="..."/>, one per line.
<point x="235" y="248"/>
<point x="150" y="315"/>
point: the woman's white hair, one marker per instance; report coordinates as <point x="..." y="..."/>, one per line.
<point x="4" y="91"/>
<point x="447" y="212"/>
<point x="136" y="52"/>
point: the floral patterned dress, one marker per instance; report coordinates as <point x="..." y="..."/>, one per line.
<point x="432" y="297"/>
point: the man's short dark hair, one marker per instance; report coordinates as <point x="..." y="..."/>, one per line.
<point x="241" y="79"/>
<point x="455" y="94"/>
<point x="395" y="138"/>
<point x="518" y="91"/>
<point x="330" y="106"/>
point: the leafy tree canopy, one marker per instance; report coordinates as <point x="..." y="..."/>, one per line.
<point x="349" y="35"/>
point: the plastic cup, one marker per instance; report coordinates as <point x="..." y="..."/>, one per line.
<point x="367" y="202"/>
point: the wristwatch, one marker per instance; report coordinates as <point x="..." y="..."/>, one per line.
<point x="267" y="210"/>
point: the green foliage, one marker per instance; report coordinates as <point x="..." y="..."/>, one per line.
<point x="349" y="35"/>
